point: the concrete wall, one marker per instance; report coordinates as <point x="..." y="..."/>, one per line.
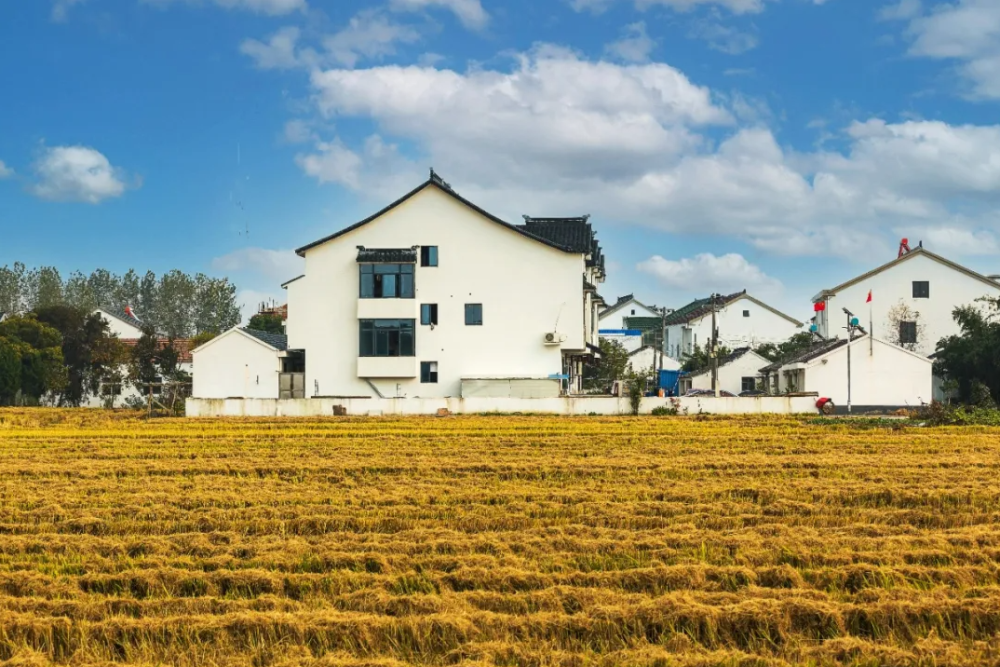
<point x="948" y="289"/>
<point x="583" y="405"/>
<point x="881" y="374"/>
<point x="526" y="288"/>
<point x="235" y="365"/>
<point x="735" y="330"/>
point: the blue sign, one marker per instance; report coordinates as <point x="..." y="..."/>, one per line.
<point x="620" y="332"/>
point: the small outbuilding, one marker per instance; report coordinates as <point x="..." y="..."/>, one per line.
<point x="882" y="375"/>
<point x="240" y="363"/>
<point x="738" y="372"/>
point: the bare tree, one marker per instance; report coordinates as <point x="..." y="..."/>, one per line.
<point x="904" y="327"/>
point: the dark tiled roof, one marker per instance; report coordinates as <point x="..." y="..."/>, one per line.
<point x="277" y="341"/>
<point x="817" y="350"/>
<point x="397" y="255"/>
<point x="697" y="308"/>
<point x="573" y="234"/>
<point x="728" y="359"/>
<point x="120" y="314"/>
<point x="643" y="323"/>
<point x="439" y="183"/>
<point x="598" y="297"/>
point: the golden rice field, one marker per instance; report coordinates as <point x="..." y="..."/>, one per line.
<point x="496" y="541"/>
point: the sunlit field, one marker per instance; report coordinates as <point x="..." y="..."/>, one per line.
<point x="496" y="541"/>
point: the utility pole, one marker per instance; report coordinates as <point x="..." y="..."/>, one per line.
<point x="850" y="327"/>
<point x="712" y="352"/>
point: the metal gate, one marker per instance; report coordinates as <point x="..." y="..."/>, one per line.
<point x="291" y="385"/>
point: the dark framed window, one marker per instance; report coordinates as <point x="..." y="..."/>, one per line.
<point x="387" y="338"/>
<point x="428" y="255"/>
<point x="748" y="384"/>
<point x="921" y="289"/>
<point x="474" y="314"/>
<point x="746" y="313"/>
<point x="907" y="333"/>
<point x="386" y="281"/>
<point x="429" y="372"/>
<point x="428" y="313"/>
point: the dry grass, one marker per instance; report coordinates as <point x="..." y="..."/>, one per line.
<point x="495" y="541"/>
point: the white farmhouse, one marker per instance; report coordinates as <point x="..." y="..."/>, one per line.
<point x="433" y="294"/>
<point x="244" y="363"/>
<point x="738" y="372"/>
<point x="614" y="316"/>
<point x="882" y="375"/>
<point x="648" y="359"/>
<point x="121" y="323"/>
<point x="742" y="321"/>
<point x="912" y="299"/>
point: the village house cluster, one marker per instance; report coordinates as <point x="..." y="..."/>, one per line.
<point x="434" y="297"/>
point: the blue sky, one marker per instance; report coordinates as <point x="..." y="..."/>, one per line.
<point x="781" y="146"/>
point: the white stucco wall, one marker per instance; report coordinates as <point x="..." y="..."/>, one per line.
<point x="731" y="375"/>
<point x="647" y="359"/>
<point x="735" y="329"/>
<point x="118" y="327"/>
<point x="235" y="365"/>
<point x="616" y="320"/>
<point x="948" y="289"/>
<point x="881" y="374"/>
<point x="525" y="287"/>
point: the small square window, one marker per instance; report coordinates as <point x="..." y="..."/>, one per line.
<point x="921" y="289"/>
<point x="428" y="313"/>
<point x="633" y="311"/>
<point x="428" y="372"/>
<point x="907" y="333"/>
<point x="746" y="313"/>
<point x="428" y="255"/>
<point x="748" y="384"/>
<point x="474" y="314"/>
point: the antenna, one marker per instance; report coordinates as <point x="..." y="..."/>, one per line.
<point x="556" y="327"/>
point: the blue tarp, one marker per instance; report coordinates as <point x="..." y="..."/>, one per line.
<point x="668" y="381"/>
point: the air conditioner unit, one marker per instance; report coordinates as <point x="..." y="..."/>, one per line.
<point x="554" y="338"/>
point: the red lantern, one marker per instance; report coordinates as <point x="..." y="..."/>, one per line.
<point x="819" y="306"/>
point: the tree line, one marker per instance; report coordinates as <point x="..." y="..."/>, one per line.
<point x="175" y="304"/>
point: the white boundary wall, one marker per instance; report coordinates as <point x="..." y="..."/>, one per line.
<point x="602" y="405"/>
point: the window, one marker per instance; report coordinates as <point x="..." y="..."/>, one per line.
<point x="907" y="333"/>
<point x="387" y="338"/>
<point x="748" y="384"/>
<point x="386" y="281"/>
<point x="474" y="314"/>
<point x="633" y="311"/>
<point x="428" y="255"/>
<point x="428" y="313"/>
<point x="921" y="289"/>
<point x="429" y="372"/>
<point x="746" y="313"/>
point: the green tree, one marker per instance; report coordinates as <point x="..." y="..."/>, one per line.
<point x="10" y="370"/>
<point x="971" y="358"/>
<point x="128" y="289"/>
<point x="12" y="281"/>
<point x="200" y="339"/>
<point x="215" y="308"/>
<point x="795" y="345"/>
<point x="612" y="366"/>
<point x="40" y="347"/>
<point x="269" y="323"/>
<point x="78" y="294"/>
<point x="47" y="288"/>
<point x="701" y="359"/>
<point x="175" y="304"/>
<point x="103" y="286"/>
<point x="89" y="350"/>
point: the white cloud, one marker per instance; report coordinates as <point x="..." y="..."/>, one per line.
<point x="953" y="241"/>
<point x="708" y="272"/>
<point x="901" y="10"/>
<point x="966" y="31"/>
<point x="368" y="35"/>
<point x="298" y="131"/>
<point x="77" y="173"/>
<point x="274" y="265"/>
<point x="5" y="171"/>
<point x="724" y="38"/>
<point x="639" y="144"/>
<point x="734" y="6"/>
<point x="270" y="7"/>
<point x="469" y="12"/>
<point x="277" y="53"/>
<point x="634" y="46"/>
<point x="60" y="9"/>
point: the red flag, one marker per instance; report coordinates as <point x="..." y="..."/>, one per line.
<point x="869" y="299"/>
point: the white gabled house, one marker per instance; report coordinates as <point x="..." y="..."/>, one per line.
<point x="647" y="359"/>
<point x="244" y="363"/>
<point x="913" y="297"/>
<point x="882" y="375"/>
<point x="738" y="372"/>
<point x="742" y="321"/>
<point x="121" y="323"/>
<point x="432" y="293"/>
<point x="613" y="317"/>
